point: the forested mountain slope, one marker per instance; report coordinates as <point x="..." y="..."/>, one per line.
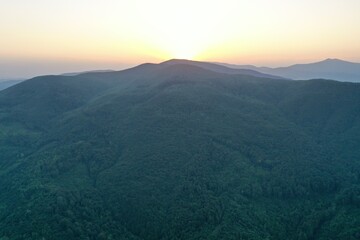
<point x="179" y="152"/>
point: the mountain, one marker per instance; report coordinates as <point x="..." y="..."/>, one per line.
<point x="334" y="69"/>
<point x="8" y="83"/>
<point x="93" y="71"/>
<point x="176" y="151"/>
<point x="220" y="68"/>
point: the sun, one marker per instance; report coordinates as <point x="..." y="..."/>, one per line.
<point x="183" y="42"/>
<point x="183" y="54"/>
<point x="183" y="51"/>
<point x="177" y="45"/>
<point x="183" y="31"/>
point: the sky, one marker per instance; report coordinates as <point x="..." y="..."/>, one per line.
<point x="40" y="37"/>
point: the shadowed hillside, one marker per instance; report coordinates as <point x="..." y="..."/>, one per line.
<point x="176" y="151"/>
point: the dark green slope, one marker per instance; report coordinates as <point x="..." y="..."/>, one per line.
<point x="179" y="152"/>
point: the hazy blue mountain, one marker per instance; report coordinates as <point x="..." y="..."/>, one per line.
<point x="220" y="68"/>
<point x="91" y="71"/>
<point x="334" y="69"/>
<point x="8" y="83"/>
<point x="176" y="151"/>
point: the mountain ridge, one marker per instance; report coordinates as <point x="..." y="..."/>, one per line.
<point x="8" y="83"/>
<point x="331" y="68"/>
<point x="179" y="152"/>
<point x="220" y="68"/>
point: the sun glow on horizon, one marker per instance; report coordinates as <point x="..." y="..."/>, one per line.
<point x="112" y="32"/>
<point x="182" y="29"/>
<point x="182" y="52"/>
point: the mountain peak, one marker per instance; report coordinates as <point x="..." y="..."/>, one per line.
<point x="219" y="68"/>
<point x="178" y="61"/>
<point x="334" y="60"/>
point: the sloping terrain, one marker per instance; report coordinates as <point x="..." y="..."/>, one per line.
<point x="334" y="69"/>
<point x="179" y="152"/>
<point x="221" y="68"/>
<point x="8" y="83"/>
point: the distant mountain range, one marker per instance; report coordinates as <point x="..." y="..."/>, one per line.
<point x="334" y="69"/>
<point x="92" y="71"/>
<point x="221" y="68"/>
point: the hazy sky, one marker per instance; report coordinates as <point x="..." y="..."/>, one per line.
<point x="54" y="36"/>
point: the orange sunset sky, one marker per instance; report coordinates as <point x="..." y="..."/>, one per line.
<point x="47" y="36"/>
